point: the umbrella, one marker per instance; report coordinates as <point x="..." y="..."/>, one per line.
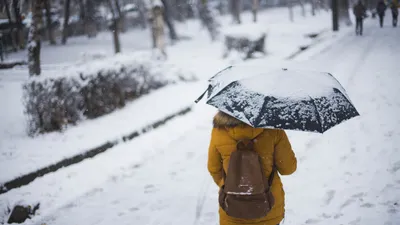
<point x="283" y="99"/>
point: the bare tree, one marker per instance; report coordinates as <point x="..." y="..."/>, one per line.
<point x="90" y="25"/>
<point x="114" y="29"/>
<point x="34" y="43"/>
<point x="142" y="13"/>
<point x="167" y="18"/>
<point x="303" y="9"/>
<point x="255" y="9"/>
<point x="289" y="4"/>
<point x="16" y="4"/>
<point x="8" y="13"/>
<point x="66" y="21"/>
<point x="235" y="10"/>
<point x="120" y="15"/>
<point x="208" y="19"/>
<point x="313" y="7"/>
<point x="335" y="15"/>
<point x="158" y="28"/>
<point x="344" y="14"/>
<point x="7" y="9"/>
<point x="49" y="24"/>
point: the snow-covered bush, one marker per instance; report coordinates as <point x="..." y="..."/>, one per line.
<point x="245" y="38"/>
<point x="93" y="89"/>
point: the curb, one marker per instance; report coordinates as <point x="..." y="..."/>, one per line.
<point x="305" y="47"/>
<point x="90" y="153"/>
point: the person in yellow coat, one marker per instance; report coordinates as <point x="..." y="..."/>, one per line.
<point x="273" y="147"/>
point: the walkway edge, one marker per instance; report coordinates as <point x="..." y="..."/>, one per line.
<point x="90" y="153"/>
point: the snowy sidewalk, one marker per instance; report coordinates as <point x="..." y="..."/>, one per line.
<point x="349" y="175"/>
<point x="60" y="190"/>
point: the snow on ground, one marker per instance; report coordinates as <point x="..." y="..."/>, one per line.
<point x="19" y="153"/>
<point x="349" y="175"/>
<point x="29" y="154"/>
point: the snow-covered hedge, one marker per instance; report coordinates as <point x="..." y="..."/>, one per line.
<point x="245" y="38"/>
<point x="94" y="88"/>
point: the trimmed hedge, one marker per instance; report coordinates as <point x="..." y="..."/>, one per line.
<point x="93" y="89"/>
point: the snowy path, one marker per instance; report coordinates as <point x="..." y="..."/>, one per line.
<point x="350" y="175"/>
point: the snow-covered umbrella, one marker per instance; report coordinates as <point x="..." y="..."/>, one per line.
<point x="283" y="99"/>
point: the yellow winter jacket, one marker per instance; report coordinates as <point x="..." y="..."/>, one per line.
<point x="272" y="145"/>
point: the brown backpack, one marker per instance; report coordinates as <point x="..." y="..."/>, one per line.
<point x="246" y="193"/>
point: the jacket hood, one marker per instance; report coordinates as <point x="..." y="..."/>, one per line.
<point x="236" y="128"/>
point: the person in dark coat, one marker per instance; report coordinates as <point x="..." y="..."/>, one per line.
<point x="359" y="11"/>
<point x="395" y="13"/>
<point x="380" y="9"/>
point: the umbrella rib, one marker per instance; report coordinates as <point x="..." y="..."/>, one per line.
<point x="316" y="110"/>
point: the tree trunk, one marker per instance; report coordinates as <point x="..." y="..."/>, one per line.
<point x="344" y="14"/>
<point x="255" y="9"/>
<point x="313" y="7"/>
<point x="208" y="19"/>
<point x="66" y="21"/>
<point x="8" y="13"/>
<point x="117" y="45"/>
<point x="7" y="9"/>
<point x="290" y="7"/>
<point x="82" y="17"/>
<point x="303" y="9"/>
<point x="17" y="11"/>
<point x="158" y="29"/>
<point x="49" y="25"/>
<point x="34" y="39"/>
<point x="167" y="18"/>
<point x="90" y="25"/>
<point x="335" y="15"/>
<point x="235" y="10"/>
<point x="142" y="13"/>
<point x="121" y="17"/>
<point x="82" y="11"/>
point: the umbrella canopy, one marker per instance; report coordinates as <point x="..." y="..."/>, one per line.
<point x="283" y="99"/>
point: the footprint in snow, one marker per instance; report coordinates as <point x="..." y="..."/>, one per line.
<point x="329" y="196"/>
<point x="150" y="189"/>
<point x="389" y="134"/>
<point x="312" y="221"/>
<point x="346" y="203"/>
<point x="358" y="195"/>
<point x="93" y="192"/>
<point x="367" y="205"/>
<point x="337" y="216"/>
<point x="133" y="209"/>
<point x="325" y="216"/>
<point x="395" y="167"/>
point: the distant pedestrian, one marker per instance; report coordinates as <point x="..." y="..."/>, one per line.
<point x="359" y="11"/>
<point x="380" y="9"/>
<point x="395" y="13"/>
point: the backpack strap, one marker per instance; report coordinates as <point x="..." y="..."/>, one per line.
<point x="271" y="177"/>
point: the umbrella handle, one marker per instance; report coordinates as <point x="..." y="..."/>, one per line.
<point x="202" y="95"/>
